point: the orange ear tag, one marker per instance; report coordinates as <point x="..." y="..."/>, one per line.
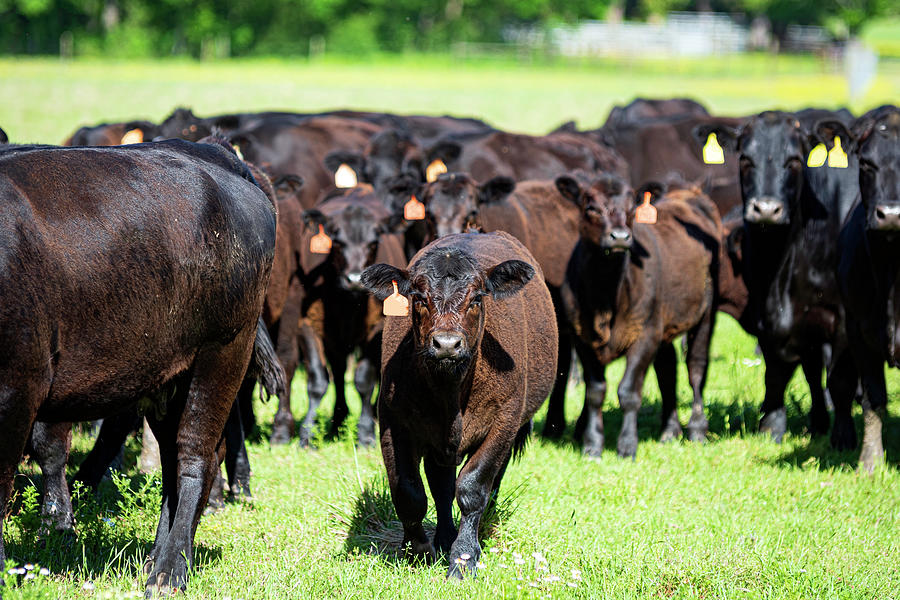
<point x="646" y="212"/>
<point x="132" y="136"/>
<point x="435" y="168"/>
<point x="395" y="305"/>
<point x="320" y="243"/>
<point x="413" y="210"/>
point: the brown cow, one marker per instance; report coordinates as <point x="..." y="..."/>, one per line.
<point x="631" y="289"/>
<point x="462" y="377"/>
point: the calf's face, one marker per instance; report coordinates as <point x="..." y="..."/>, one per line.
<point x="606" y="208"/>
<point x="771" y="151"/>
<point x="354" y="233"/>
<point x="452" y="201"/>
<point x="447" y="288"/>
<point x="879" y="172"/>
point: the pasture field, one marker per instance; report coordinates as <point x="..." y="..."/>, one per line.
<point x="737" y="517"/>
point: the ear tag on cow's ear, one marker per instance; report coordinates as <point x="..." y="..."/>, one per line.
<point x="132" y="136"/>
<point x="320" y="243"/>
<point x="817" y="156"/>
<point x="395" y="305"/>
<point x="646" y="212"/>
<point x="434" y="169"/>
<point x="413" y="210"/>
<point x="712" y="151"/>
<point x="837" y="158"/>
<point x="345" y="176"/>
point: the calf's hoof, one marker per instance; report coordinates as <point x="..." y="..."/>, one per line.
<point x="843" y="435"/>
<point x="163" y="584"/>
<point x="593" y="449"/>
<point x="818" y="423"/>
<point x="419" y="551"/>
<point x="775" y="424"/>
<point x="281" y="435"/>
<point x="553" y="430"/>
<point x="696" y="432"/>
<point x="365" y="437"/>
<point x="671" y="431"/>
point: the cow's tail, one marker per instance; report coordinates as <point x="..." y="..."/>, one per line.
<point x="518" y="447"/>
<point x="264" y="365"/>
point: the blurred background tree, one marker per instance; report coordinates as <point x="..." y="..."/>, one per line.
<point x="219" y="28"/>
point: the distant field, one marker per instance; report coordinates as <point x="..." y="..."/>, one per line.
<point x="44" y="100"/>
<point x="737" y="517"/>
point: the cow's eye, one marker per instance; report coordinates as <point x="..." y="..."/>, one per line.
<point x="593" y="212"/>
<point x="794" y="162"/>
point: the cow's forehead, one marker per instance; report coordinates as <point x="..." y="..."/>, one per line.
<point x="770" y="135"/>
<point x="446" y="272"/>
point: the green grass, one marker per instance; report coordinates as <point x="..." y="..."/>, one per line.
<point x="738" y="517"/>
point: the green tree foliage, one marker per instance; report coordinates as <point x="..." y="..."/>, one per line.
<point x="204" y="28"/>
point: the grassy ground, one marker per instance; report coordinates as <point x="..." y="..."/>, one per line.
<point x="738" y="517"/>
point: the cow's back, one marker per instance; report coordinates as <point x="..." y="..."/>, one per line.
<point x="130" y="259"/>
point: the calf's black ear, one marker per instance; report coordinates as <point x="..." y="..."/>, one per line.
<point x="3" y="138"/>
<point x="354" y="160"/>
<point x="825" y="131"/>
<point x="495" y="189"/>
<point x="314" y="217"/>
<point x="508" y="277"/>
<point x="726" y="136"/>
<point x="655" y="188"/>
<point x="378" y="280"/>
<point x="569" y="188"/>
<point x="445" y="150"/>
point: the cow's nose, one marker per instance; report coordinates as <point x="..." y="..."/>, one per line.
<point x="764" y="210"/>
<point x="887" y="216"/>
<point x="620" y="236"/>
<point x="447" y="344"/>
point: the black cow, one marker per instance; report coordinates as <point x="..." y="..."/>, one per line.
<point x="129" y="273"/>
<point x="462" y="377"/>
<point x="869" y="250"/>
<point x="792" y="216"/>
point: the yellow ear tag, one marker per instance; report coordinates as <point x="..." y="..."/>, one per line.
<point x="237" y="150"/>
<point x="395" y="305"/>
<point x="132" y="136"/>
<point x="320" y="243"/>
<point x="837" y="158"/>
<point x="413" y="210"/>
<point x="712" y="151"/>
<point x="345" y="176"/>
<point x="817" y="156"/>
<point x="434" y="169"/>
<point x="646" y="212"/>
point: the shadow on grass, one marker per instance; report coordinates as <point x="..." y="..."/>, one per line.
<point x="372" y="526"/>
<point x="111" y="532"/>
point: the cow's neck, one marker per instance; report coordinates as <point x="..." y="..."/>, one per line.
<point x="447" y="394"/>
<point x="764" y="252"/>
<point x="604" y="274"/>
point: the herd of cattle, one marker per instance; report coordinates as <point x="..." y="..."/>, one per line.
<point x="163" y="279"/>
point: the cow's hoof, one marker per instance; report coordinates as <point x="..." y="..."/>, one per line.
<point x="627" y="447"/>
<point x="775" y="424"/>
<point x="818" y="423"/>
<point x="843" y="435"/>
<point x="281" y="435"/>
<point x="697" y="431"/>
<point x="366" y="438"/>
<point x="419" y="551"/>
<point x="671" y="432"/>
<point x="553" y="430"/>
<point x="167" y="582"/>
<point x="463" y="565"/>
<point x="593" y="450"/>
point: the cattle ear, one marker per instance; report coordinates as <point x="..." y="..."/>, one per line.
<point x="726" y="136"/>
<point x="569" y="188"/>
<point x="288" y="185"/>
<point x="495" y="189"/>
<point x="733" y="243"/>
<point x="3" y="138"/>
<point x="567" y="127"/>
<point x="445" y="150"/>
<point x="354" y="160"/>
<point x="508" y="277"/>
<point x="227" y="122"/>
<point x="656" y="189"/>
<point x="826" y="130"/>
<point x="314" y="217"/>
<point x="378" y="279"/>
<point x="242" y="142"/>
<point x="414" y="166"/>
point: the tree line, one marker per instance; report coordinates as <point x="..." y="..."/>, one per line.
<point x="209" y="28"/>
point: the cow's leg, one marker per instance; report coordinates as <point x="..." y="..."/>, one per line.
<point x="778" y="374"/>
<point x="442" y="482"/>
<point x="842" y="382"/>
<point x="338" y="362"/>
<point x="237" y="464"/>
<point x="407" y="492"/>
<point x="638" y="359"/>
<point x="697" y="363"/>
<point x="216" y="377"/>
<point x="665" y="364"/>
<point x="556" y="407"/>
<point x="20" y="397"/>
<point x="51" y="443"/>
<point x="589" y="428"/>
<point x="113" y="433"/>
<point x="316" y="378"/>
<point x="288" y="353"/>
<point x="474" y="487"/>
<point x="811" y="363"/>
<point x="365" y="378"/>
<point x="244" y="403"/>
